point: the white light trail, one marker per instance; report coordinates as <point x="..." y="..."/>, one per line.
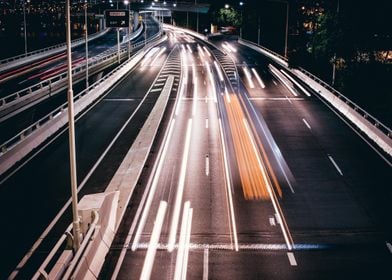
<point x="154" y="184"/>
<point x="286" y="234"/>
<point x="207" y="52"/>
<point x="189" y="48"/>
<point x="261" y="83"/>
<point x="182" y="242"/>
<point x="152" y="247"/>
<point x="212" y="80"/>
<point x="219" y="71"/>
<point x="158" y="55"/>
<point x="295" y="82"/>
<point x="248" y="77"/>
<point x="228" y="187"/>
<point x="180" y="190"/>
<point x="195" y="93"/>
<point x="282" y="79"/>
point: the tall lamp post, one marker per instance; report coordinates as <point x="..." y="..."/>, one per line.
<point x="241" y="4"/>
<point x="25" y="25"/>
<point x="197" y="17"/>
<point x="128" y="4"/>
<point x="86" y="38"/>
<point x="71" y="131"/>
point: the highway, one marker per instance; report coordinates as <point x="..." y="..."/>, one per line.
<point x="39" y="188"/>
<point x="320" y="208"/>
<point x="19" y="121"/>
<point x="251" y="176"/>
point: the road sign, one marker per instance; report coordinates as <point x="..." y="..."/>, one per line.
<point x="117" y="18"/>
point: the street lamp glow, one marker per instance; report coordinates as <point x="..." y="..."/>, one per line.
<point x="126" y="2"/>
<point x="227" y="6"/>
<point x="241" y="3"/>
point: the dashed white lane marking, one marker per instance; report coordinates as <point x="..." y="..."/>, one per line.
<point x="289" y="100"/>
<point x="207" y="165"/>
<point x="205" y="264"/>
<point x="306" y="123"/>
<point x="272" y="221"/>
<point x="335" y="164"/>
<point x="274" y="82"/>
<point x="206" y="123"/>
<point x="389" y="246"/>
<point x="156" y="89"/>
<point x="292" y="260"/>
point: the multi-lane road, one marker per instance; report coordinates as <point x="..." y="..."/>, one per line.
<point x="315" y="204"/>
<point x="252" y="176"/>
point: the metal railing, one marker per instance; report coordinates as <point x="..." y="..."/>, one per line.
<point x="371" y="119"/>
<point x="11" y="143"/>
<point x="4" y="62"/>
<point x="69" y="267"/>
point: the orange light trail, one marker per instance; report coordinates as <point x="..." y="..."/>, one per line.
<point x="253" y="176"/>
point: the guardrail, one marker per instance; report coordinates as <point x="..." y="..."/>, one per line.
<point x="13" y="61"/>
<point x="371" y="119"/>
<point x="70" y="265"/>
<point x="14" y="141"/>
<point x="55" y="83"/>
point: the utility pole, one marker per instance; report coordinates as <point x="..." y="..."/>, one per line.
<point x="118" y="42"/>
<point x="197" y="17"/>
<point x="71" y="131"/>
<point x="287" y="29"/>
<point x="334" y="56"/>
<point x="86" y="37"/>
<point x="25" y="25"/>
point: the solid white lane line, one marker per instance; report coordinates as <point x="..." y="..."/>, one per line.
<point x="180" y="189"/>
<point x="188" y="241"/>
<point x="244" y="246"/>
<point x="276" y="98"/>
<point x="286" y="233"/>
<point x="295" y="82"/>
<point x="205" y="264"/>
<point x="292" y="259"/>
<point x="282" y="79"/>
<point x="228" y="187"/>
<point x="389" y="246"/>
<point x="154" y="184"/>
<point x="306" y="123"/>
<point x="207" y="165"/>
<point x="119" y="99"/>
<point x="261" y="83"/>
<point x="152" y="248"/>
<point x="182" y="242"/>
<point x="335" y="164"/>
<point x="206" y="123"/>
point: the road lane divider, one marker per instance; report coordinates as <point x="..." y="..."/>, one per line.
<point x="307" y="124"/>
<point x="292" y="260"/>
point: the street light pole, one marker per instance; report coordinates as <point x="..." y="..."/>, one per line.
<point x="241" y="4"/>
<point x="86" y="37"/>
<point x="24" y="25"/>
<point x="287" y="29"/>
<point x="334" y="56"/>
<point x="118" y="42"/>
<point x="127" y="3"/>
<point x="197" y="17"/>
<point x="71" y="131"/>
<point x="258" y="33"/>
